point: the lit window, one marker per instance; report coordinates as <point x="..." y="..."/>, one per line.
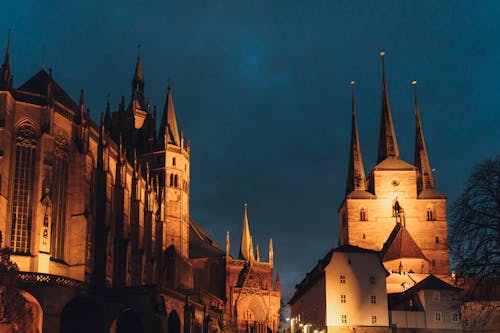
<point x="373" y="299"/>
<point x="342" y="279"/>
<point x="436" y="296"/>
<point x="372" y="279"/>
<point x="58" y="196"/>
<point x="362" y="214"/>
<point x="22" y="203"/>
<point x="342" y="298"/>
<point x="437" y="316"/>
<point x="344" y="319"/>
<point x="374" y="319"/>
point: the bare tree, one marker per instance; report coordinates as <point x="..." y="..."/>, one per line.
<point x="475" y="227"/>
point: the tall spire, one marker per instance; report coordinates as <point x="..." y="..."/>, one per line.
<point x="138" y="84"/>
<point x="168" y="123"/>
<point x="107" y="116"/>
<point x="425" y="178"/>
<point x="387" y="145"/>
<point x="356" y="172"/>
<point x="271" y="252"/>
<point x="246" y="239"/>
<point x="5" y="71"/>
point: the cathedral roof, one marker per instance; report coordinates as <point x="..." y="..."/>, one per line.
<point x="360" y="194"/>
<point x="201" y="244"/>
<point x="36" y="90"/>
<point x="400" y="244"/>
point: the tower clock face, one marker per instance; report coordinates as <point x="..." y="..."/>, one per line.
<point x="395" y="182"/>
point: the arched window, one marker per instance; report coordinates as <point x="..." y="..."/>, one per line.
<point x="171" y="180"/>
<point x="22" y="203"/>
<point x="176" y="179"/>
<point x="59" y="195"/>
<point x="430" y="214"/>
<point x="362" y="214"/>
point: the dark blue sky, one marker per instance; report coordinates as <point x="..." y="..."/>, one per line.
<point x="262" y="90"/>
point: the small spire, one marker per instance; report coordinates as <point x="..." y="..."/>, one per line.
<point x="81" y="105"/>
<point x="100" y="146"/>
<point x="271" y="252"/>
<point x="277" y="284"/>
<point x="257" y="253"/>
<point x="356" y="173"/>
<point x="228" y="244"/>
<point x="168" y="125"/>
<point x="138" y="82"/>
<point x="425" y="178"/>
<point x="107" y="116"/>
<point x="118" y="164"/>
<point x="246" y="238"/>
<point x="387" y="146"/>
<point x="5" y="70"/>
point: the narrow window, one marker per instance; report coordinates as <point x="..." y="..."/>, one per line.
<point x="364" y="236"/>
<point x="59" y="195"/>
<point x="171" y="180"/>
<point x="437" y="240"/>
<point x="373" y="299"/>
<point x="176" y="178"/>
<point x="173" y="161"/>
<point x="374" y="319"/>
<point x="455" y="317"/>
<point x="22" y="203"/>
<point x="436" y="296"/>
<point x="437" y="316"/>
<point x="430" y="215"/>
<point x="344" y="319"/>
<point x="349" y="261"/>
<point x="372" y="279"/>
<point x="342" y="298"/>
<point x="362" y="214"/>
<point x="342" y="279"/>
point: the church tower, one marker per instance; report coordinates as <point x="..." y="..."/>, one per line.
<point x="396" y="199"/>
<point x="176" y="180"/>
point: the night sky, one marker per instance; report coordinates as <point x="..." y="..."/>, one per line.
<point x="262" y="90"/>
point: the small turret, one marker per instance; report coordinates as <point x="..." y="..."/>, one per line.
<point x="271" y="252"/>
<point x="228" y="244"/>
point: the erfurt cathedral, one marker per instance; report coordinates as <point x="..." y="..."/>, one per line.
<point x="96" y="217"/>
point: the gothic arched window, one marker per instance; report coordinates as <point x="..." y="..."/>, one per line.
<point x="59" y="194"/>
<point x="22" y="203"/>
<point x="430" y="214"/>
<point x="362" y="214"/>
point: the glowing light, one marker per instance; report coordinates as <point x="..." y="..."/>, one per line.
<point x="382" y="53"/>
<point x="414" y="82"/>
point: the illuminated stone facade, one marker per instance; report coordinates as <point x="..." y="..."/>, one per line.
<point x="98" y="220"/>
<point x="397" y="214"/>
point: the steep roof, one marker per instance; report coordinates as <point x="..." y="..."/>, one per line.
<point x="37" y="87"/>
<point x="201" y="244"/>
<point x="393" y="163"/>
<point x="431" y="283"/>
<point x="400" y="244"/>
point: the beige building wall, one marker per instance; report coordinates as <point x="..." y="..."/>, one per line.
<point x="431" y="235"/>
<point x="350" y="275"/>
<point x="441" y="308"/>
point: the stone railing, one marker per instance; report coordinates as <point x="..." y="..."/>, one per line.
<point x="49" y="279"/>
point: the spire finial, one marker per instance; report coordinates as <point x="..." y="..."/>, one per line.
<point x="7" y="51"/>
<point x="5" y="69"/>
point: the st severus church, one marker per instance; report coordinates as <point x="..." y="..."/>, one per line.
<point x="97" y="219"/>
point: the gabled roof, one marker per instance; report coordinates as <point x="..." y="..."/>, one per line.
<point x="400" y="244"/>
<point x="404" y="302"/>
<point x="37" y="86"/>
<point x="431" y="283"/>
<point x="393" y="163"/>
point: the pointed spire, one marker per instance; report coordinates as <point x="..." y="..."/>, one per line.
<point x="271" y="252"/>
<point x="387" y="145"/>
<point x="257" y="252"/>
<point x="100" y="146"/>
<point x="228" y="244"/>
<point x="81" y="106"/>
<point x="118" y="170"/>
<point x="107" y="116"/>
<point x="168" y="125"/>
<point x="246" y="238"/>
<point x="5" y="70"/>
<point x="138" y="83"/>
<point x="356" y="172"/>
<point x="425" y="178"/>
